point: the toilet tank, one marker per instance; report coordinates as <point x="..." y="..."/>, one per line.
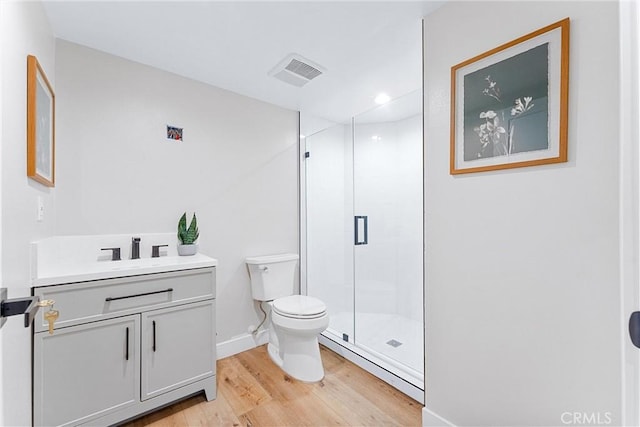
<point x="272" y="276"/>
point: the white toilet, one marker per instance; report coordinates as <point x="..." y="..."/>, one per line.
<point x="296" y="320"/>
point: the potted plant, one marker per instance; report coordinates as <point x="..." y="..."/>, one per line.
<point x="188" y="236"/>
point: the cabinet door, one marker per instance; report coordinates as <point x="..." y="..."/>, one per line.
<point x="86" y="371"/>
<point x="178" y="347"/>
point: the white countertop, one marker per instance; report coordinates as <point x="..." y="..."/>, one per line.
<point x="54" y="262"/>
<point x="111" y="269"/>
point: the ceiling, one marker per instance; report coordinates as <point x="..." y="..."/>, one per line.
<point x="366" y="47"/>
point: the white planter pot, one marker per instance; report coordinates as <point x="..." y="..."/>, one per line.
<point x="186" y="250"/>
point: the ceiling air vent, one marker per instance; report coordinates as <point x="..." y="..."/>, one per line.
<point x="296" y="70"/>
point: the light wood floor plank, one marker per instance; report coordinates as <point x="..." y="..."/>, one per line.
<point x="218" y="414"/>
<point x="192" y="410"/>
<point x="332" y="362"/>
<point x="387" y="399"/>
<point x="355" y="408"/>
<point x="300" y="412"/>
<point x="242" y="390"/>
<point x="279" y="385"/>
<point x="254" y="392"/>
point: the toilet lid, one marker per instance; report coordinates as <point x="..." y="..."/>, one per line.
<point x="299" y="306"/>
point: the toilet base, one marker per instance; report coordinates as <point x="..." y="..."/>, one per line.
<point x="302" y="359"/>
<point x="274" y="354"/>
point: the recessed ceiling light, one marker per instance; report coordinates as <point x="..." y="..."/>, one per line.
<point x="382" y="98"/>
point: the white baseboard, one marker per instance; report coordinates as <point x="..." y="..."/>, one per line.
<point x="241" y="343"/>
<point x="431" y="419"/>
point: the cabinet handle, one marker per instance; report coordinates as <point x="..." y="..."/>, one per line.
<point x="138" y="295"/>
<point x="154" y="336"/>
<point x="126" y="355"/>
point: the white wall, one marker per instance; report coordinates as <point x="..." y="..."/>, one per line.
<point x="1" y="109"/>
<point x="629" y="186"/>
<point x="24" y="30"/>
<point x="1" y="322"/>
<point x="523" y="283"/>
<point x="117" y="173"/>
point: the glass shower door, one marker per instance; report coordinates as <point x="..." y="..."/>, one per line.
<point x="364" y="234"/>
<point x="329" y="212"/>
<point x="388" y="266"/>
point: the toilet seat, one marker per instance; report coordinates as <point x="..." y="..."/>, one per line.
<point x="299" y="307"/>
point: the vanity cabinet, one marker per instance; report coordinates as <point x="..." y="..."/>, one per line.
<point x="177" y="344"/>
<point x="85" y="371"/>
<point x="122" y="347"/>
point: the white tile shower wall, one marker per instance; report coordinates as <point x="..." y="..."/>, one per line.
<point x="522" y="279"/>
<point x="388" y="189"/>
<point x="118" y="174"/>
<point x="376" y="264"/>
<point x="410" y="251"/>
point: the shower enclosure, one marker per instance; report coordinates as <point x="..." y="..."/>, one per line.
<point x="363" y="224"/>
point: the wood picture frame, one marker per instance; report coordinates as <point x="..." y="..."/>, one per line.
<point x="509" y="105"/>
<point x="40" y="125"/>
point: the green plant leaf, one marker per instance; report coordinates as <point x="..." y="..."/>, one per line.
<point x="182" y="228"/>
<point x="192" y="232"/>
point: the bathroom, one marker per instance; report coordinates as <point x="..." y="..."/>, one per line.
<point x="112" y="155"/>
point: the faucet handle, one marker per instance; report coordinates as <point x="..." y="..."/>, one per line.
<point x="115" y="253"/>
<point x="155" y="250"/>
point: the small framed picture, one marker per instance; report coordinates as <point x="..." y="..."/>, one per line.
<point x="174" y="133"/>
<point x="40" y="125"/>
<point x="509" y="106"/>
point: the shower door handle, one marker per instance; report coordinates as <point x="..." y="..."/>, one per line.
<point x="360" y="223"/>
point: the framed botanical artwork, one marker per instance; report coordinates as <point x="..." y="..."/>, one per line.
<point x="40" y="125"/>
<point x="509" y="106"/>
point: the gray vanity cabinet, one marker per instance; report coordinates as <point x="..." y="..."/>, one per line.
<point x="176" y="350"/>
<point x="123" y="347"/>
<point x="88" y="370"/>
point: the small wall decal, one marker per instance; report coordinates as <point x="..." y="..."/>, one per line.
<point x="174" y="133"/>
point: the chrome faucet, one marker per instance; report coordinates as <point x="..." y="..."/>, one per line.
<point x="135" y="248"/>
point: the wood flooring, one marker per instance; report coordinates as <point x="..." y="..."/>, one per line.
<point x="253" y="392"/>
